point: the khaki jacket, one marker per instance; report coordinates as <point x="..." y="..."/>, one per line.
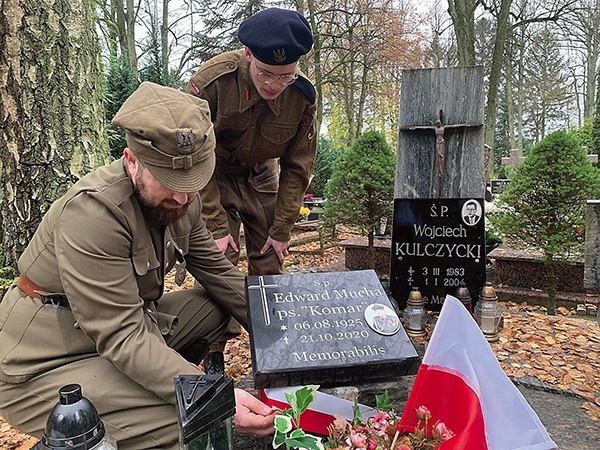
<point x="95" y="246"/>
<point x="250" y="129"/>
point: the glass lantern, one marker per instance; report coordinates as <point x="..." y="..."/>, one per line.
<point x="463" y="294"/>
<point x="205" y="408"/>
<point x="488" y="313"/>
<point x="415" y="314"/>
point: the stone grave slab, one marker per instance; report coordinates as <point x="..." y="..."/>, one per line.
<point x="330" y="329"/>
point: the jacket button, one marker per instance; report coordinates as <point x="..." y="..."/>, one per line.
<point x="169" y="244"/>
<point x="148" y="264"/>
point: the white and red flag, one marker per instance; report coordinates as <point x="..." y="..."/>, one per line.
<point x="320" y="414"/>
<point x="462" y="384"/>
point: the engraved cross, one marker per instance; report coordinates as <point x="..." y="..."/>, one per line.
<point x="263" y="297"/>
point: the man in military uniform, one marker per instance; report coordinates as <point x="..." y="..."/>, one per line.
<point x="89" y="306"/>
<point x="263" y="111"/>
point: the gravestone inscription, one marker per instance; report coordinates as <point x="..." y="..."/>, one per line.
<point x="329" y="329"/>
<point x="499" y="185"/>
<point x="437" y="244"/>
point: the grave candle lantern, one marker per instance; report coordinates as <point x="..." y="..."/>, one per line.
<point x="488" y="313"/>
<point x="463" y="294"/>
<point x="415" y="314"/>
<point x="205" y="408"/>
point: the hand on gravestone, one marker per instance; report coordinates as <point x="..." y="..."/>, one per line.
<point x="252" y="416"/>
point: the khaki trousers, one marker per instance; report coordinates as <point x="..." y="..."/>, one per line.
<point x="249" y="196"/>
<point x="134" y="416"/>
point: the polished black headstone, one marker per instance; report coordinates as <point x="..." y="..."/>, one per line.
<point x="329" y="329"/>
<point x="437" y="245"/>
<point x="203" y="402"/>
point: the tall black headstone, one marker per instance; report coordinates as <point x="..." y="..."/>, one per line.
<point x="325" y="328"/>
<point x="437" y="246"/>
<point x="440" y="173"/>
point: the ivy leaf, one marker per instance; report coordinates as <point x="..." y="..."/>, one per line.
<point x="305" y="397"/>
<point x="383" y="401"/>
<point x="283" y="423"/>
<point x="302" y="440"/>
<point x="278" y="439"/>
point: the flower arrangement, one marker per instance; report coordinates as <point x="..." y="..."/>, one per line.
<point x="303" y="214"/>
<point x="379" y="432"/>
<point x="308" y="197"/>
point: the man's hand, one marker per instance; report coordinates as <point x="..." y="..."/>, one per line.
<point x="252" y="416"/>
<point x="223" y="242"/>
<point x="281" y="248"/>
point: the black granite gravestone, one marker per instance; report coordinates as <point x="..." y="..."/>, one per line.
<point x="499" y="186"/>
<point x="437" y="245"/>
<point x="329" y="329"/>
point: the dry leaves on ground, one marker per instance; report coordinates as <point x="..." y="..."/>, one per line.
<point x="561" y="351"/>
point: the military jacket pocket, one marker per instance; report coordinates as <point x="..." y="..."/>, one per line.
<point x="277" y="134"/>
<point x="149" y="278"/>
<point x="265" y="177"/>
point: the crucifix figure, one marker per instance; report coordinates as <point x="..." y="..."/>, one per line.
<point x="440" y="143"/>
<point x="263" y="297"/>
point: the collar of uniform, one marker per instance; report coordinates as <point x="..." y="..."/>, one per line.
<point x="248" y="94"/>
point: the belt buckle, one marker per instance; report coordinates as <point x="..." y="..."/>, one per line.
<point x="55" y="300"/>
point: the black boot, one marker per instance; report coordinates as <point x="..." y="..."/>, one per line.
<point x="214" y="364"/>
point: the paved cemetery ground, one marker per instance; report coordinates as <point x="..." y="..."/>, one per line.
<point x="553" y="360"/>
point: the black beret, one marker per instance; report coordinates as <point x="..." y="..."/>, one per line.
<point x="276" y="36"/>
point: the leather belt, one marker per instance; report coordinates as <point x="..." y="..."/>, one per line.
<point x="31" y="289"/>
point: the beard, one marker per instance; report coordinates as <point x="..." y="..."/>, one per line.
<point x="157" y="214"/>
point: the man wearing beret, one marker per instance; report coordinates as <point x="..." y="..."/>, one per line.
<point x="263" y="110"/>
<point x="89" y="306"/>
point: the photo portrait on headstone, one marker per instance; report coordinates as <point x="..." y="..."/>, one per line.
<point x="382" y="319"/>
<point x="471" y="212"/>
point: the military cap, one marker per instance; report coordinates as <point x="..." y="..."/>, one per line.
<point x="276" y="36"/>
<point x="171" y="133"/>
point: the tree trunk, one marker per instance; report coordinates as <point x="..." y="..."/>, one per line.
<point x="551" y="285"/>
<point x="50" y="108"/>
<point x="502" y="30"/>
<point x="316" y="56"/>
<point x="371" y="251"/>
<point x="462" y="13"/>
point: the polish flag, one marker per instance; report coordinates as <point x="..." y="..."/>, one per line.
<point x="317" y="418"/>
<point x="462" y="384"/>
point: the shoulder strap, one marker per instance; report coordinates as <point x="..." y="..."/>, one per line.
<point x="216" y="67"/>
<point x="306" y="87"/>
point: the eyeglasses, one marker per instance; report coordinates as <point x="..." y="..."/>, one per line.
<point x="268" y="78"/>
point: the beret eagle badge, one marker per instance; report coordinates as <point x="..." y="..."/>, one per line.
<point x="279" y="55"/>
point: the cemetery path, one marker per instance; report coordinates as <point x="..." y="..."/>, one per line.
<point x="555" y="360"/>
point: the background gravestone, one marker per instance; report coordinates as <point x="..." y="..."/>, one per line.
<point x="329" y="329"/>
<point x="439" y="175"/>
<point x="591" y="274"/>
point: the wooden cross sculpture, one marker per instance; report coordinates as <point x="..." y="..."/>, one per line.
<point x="440" y="143"/>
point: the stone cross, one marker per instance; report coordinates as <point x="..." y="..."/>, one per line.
<point x="591" y="273"/>
<point x="439" y="171"/>
<point x="514" y="159"/>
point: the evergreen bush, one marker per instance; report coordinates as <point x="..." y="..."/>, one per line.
<point x="544" y="206"/>
<point x="361" y="189"/>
